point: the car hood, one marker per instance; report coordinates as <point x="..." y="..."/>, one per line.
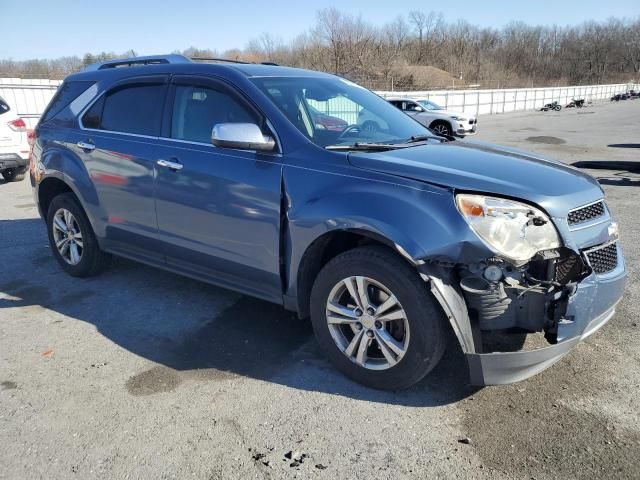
<point x="486" y="168"/>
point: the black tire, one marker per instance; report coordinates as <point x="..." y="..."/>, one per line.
<point x="14" y="175"/>
<point x="441" y="128"/>
<point x="426" y="320"/>
<point x="93" y="260"/>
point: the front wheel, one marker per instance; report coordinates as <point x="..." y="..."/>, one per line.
<point x="376" y="319"/>
<point x="441" y="128"/>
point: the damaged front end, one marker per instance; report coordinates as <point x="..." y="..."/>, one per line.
<point x="514" y="317"/>
<point x="531" y="297"/>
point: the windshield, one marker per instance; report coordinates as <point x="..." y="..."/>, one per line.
<point x="429" y="105"/>
<point x="360" y="115"/>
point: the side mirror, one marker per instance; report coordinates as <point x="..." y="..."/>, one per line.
<point x="242" y="136"/>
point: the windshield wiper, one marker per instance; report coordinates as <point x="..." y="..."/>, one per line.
<point x="422" y="138"/>
<point x="364" y="146"/>
<point x="380" y="147"/>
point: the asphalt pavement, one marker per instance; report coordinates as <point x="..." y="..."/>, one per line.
<point x="139" y="373"/>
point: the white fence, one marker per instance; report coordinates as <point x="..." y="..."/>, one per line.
<point x="31" y="96"/>
<point x="482" y="102"/>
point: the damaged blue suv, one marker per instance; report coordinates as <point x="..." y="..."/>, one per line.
<point x="387" y="239"/>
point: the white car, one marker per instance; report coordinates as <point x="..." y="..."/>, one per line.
<point x="429" y="114"/>
<point x="14" y="145"/>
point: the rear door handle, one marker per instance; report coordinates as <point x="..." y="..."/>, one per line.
<point x="170" y="165"/>
<point x="86" y="146"/>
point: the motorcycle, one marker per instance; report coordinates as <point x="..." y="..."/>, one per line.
<point x="575" y="103"/>
<point x="551" y="106"/>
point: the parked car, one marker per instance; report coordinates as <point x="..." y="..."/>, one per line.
<point x="620" y="96"/>
<point x="14" y="148"/>
<point x="328" y="122"/>
<point x="386" y="239"/>
<point x="431" y="115"/>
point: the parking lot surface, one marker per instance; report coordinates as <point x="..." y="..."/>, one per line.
<point x="139" y="373"/>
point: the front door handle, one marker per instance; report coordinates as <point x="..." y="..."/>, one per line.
<point x="170" y="165"/>
<point x="86" y="146"/>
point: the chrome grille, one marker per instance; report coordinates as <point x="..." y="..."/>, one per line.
<point x="603" y="259"/>
<point x="584" y="214"/>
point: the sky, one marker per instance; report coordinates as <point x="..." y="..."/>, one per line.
<point x="51" y="29"/>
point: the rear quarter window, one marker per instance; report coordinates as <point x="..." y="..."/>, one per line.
<point x="66" y="93"/>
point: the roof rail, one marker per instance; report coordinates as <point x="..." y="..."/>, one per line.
<point x="159" y="60"/>
<point x="215" y="59"/>
<point x="136" y="61"/>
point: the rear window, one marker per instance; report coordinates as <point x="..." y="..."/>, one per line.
<point x="67" y="93"/>
<point x="130" y="109"/>
<point x="4" y="107"/>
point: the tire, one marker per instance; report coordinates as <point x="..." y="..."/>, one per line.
<point x="14" y="175"/>
<point x="423" y="331"/>
<point x="558" y="108"/>
<point x="441" y="128"/>
<point x="91" y="260"/>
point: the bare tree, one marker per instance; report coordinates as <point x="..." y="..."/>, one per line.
<point x="462" y="53"/>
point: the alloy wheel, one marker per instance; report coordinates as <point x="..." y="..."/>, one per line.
<point x="67" y="236"/>
<point x="367" y="323"/>
<point x="441" y="129"/>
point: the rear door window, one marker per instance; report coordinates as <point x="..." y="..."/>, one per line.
<point x="135" y="108"/>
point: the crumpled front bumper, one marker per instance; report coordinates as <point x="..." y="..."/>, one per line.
<point x="590" y="307"/>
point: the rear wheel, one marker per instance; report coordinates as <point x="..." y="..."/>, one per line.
<point x="376" y="320"/>
<point x="14" y="174"/>
<point x="72" y="240"/>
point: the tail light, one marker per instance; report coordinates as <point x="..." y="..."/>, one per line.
<point x="32" y="135"/>
<point x="17" y="125"/>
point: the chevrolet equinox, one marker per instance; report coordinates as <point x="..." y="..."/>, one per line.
<point x="387" y="239"/>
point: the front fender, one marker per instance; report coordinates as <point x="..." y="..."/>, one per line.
<point x="420" y="219"/>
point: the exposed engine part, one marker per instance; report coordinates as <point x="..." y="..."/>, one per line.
<point x="488" y="299"/>
<point x="532" y="296"/>
<point x="493" y="273"/>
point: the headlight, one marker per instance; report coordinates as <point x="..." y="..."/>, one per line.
<point x="515" y="230"/>
<point x="460" y="119"/>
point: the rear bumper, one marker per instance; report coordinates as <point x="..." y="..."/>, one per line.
<point x="13" y="160"/>
<point x="591" y="307"/>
